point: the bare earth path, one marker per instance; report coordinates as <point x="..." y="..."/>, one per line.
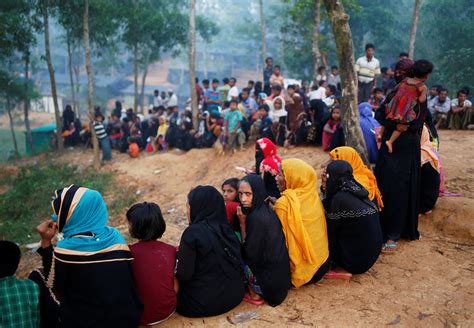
<point x="429" y="282"/>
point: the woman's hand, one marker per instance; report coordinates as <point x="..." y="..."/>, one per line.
<point x="242" y="217"/>
<point x="324" y="178"/>
<point x="47" y="231"/>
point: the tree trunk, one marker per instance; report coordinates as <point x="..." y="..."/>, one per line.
<point x="192" y="63"/>
<point x="315" y="38"/>
<point x="145" y="73"/>
<point x="59" y="130"/>
<point x="26" y="103"/>
<point x="71" y="76"/>
<point x="345" y="54"/>
<point x="135" y="78"/>
<point x="90" y="83"/>
<point x="78" y="90"/>
<point x="414" y="25"/>
<point x="262" y="31"/>
<point x="12" y="128"/>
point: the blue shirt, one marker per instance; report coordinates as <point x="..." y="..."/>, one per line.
<point x="213" y="95"/>
<point x="250" y="104"/>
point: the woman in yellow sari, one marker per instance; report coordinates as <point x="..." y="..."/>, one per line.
<point x="301" y="214"/>
<point x="362" y="173"/>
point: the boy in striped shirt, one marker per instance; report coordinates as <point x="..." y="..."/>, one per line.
<point x="98" y="124"/>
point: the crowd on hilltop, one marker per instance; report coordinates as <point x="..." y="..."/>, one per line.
<point x="272" y="230"/>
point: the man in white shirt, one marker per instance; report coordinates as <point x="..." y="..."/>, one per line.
<point x="320" y="92"/>
<point x="439" y="106"/>
<point x="367" y="68"/>
<point x="157" y="101"/>
<point x="234" y="91"/>
<point x="172" y="99"/>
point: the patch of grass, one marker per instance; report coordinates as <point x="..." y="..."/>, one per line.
<point x="6" y="143"/>
<point x="28" y="202"/>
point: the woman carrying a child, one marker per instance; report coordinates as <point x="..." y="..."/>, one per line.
<point x="398" y="172"/>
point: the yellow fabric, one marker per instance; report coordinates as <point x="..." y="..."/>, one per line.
<point x="362" y="174"/>
<point x="301" y="214"/>
<point x="427" y="153"/>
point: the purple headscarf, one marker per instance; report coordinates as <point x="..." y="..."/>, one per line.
<point x="368" y="125"/>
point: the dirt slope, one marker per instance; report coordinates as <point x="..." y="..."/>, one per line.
<point x="427" y="283"/>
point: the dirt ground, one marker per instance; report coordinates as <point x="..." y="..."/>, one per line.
<point x="429" y="282"/>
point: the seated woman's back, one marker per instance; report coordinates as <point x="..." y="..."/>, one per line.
<point x="355" y="236"/>
<point x="209" y="260"/>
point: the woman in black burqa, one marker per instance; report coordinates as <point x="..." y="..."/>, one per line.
<point x="263" y="243"/>
<point x="398" y="173"/>
<point x="209" y="258"/>
<point x="354" y="231"/>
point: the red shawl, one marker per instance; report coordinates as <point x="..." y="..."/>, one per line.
<point x="271" y="161"/>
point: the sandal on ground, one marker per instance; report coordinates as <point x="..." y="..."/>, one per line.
<point x="389" y="248"/>
<point x="249" y="299"/>
<point x="338" y="275"/>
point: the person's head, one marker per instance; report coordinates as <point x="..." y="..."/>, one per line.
<point x="230" y="189"/>
<point x="99" y="117"/>
<point x="443" y="94"/>
<point x="156" y="93"/>
<point x="196" y="80"/>
<point x="163" y="94"/>
<point x="232" y="81"/>
<point x="145" y="221"/>
<point x="336" y="114"/>
<point x="269" y="61"/>
<point x="462" y="95"/>
<point x="276" y="90"/>
<point x="10" y="258"/>
<point x="263" y="110"/>
<point x="277" y="70"/>
<point x="422" y="68"/>
<point x="250" y="84"/>
<point x="321" y="70"/>
<point x="466" y="90"/>
<point x="278" y="103"/>
<point x="334" y="70"/>
<point x="252" y="192"/>
<point x="205" y="203"/>
<point x="369" y="50"/>
<point x="170" y="92"/>
<point x="291" y="90"/>
<point x="225" y="81"/>
<point x="205" y="84"/>
<point x="295" y="174"/>
<point x="402" y="56"/>
<point x="245" y="93"/>
<point x="338" y="172"/>
<point x="434" y="90"/>
<point x="330" y="90"/>
<point x="378" y="93"/>
<point x="384" y="71"/>
<point x="233" y="105"/>
<point x="215" y="83"/>
<point x="323" y="84"/>
<point x="403" y="69"/>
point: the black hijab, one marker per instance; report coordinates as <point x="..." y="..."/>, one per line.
<point x="258" y="190"/>
<point x="340" y="178"/>
<point x="207" y="207"/>
<point x="259" y="157"/>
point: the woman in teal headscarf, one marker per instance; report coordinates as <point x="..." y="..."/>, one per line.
<point x="89" y="269"/>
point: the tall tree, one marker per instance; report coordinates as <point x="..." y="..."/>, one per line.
<point x="262" y="30"/>
<point x="414" y="25"/>
<point x="90" y="82"/>
<point x="45" y="12"/>
<point x="315" y="38"/>
<point x="192" y="63"/>
<point x="345" y="52"/>
<point x="70" y="71"/>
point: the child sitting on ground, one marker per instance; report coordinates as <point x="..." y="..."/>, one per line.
<point x="19" y="298"/>
<point x="153" y="264"/>
<point x="412" y="90"/>
<point x="229" y="191"/>
<point x="330" y="127"/>
<point x="133" y="149"/>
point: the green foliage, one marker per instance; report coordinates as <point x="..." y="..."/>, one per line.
<point x="28" y="201"/>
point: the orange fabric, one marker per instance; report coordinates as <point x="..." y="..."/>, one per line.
<point x="133" y="150"/>
<point x="427" y="152"/>
<point x="362" y="173"/>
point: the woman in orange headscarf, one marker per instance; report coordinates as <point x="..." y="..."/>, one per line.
<point x="362" y="173"/>
<point x="301" y="214"/>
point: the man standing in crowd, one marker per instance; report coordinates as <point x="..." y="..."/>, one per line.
<point x="249" y="104"/>
<point x="439" y="106"/>
<point x="334" y="78"/>
<point x="267" y="73"/>
<point x="234" y="91"/>
<point x="224" y="90"/>
<point x="212" y="97"/>
<point x="157" y="101"/>
<point x="367" y="68"/>
<point x="172" y="99"/>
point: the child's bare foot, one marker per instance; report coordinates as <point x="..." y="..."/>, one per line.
<point x="389" y="146"/>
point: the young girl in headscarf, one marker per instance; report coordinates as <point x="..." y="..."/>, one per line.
<point x="279" y="115"/>
<point x="89" y="269"/>
<point x="330" y="127"/>
<point x="267" y="163"/>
